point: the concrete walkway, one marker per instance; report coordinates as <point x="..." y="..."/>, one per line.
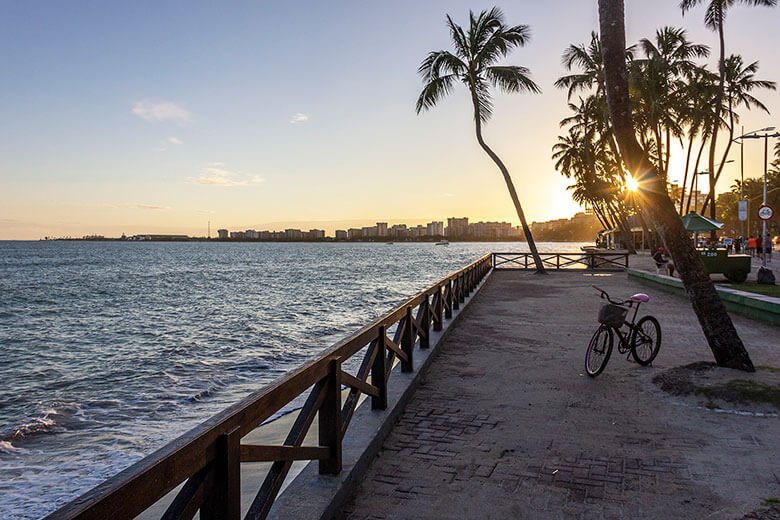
<point x="507" y="425"/>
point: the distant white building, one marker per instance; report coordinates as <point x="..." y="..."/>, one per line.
<point x="341" y="234"/>
<point x="223" y="233"/>
<point x="381" y="229"/>
<point x="434" y="229"/>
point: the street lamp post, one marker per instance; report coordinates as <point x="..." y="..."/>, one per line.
<point x="765" y="136"/>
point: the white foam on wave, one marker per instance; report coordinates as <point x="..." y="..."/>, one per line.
<point x="7" y="447"/>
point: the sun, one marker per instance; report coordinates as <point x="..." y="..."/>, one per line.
<point x="632" y="184"/>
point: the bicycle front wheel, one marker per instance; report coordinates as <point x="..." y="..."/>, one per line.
<point x="599" y="349"/>
<point x="646" y="340"/>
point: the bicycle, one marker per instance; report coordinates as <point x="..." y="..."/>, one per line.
<point x="642" y="339"/>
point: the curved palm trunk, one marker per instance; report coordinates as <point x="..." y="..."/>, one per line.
<point x="512" y="193"/>
<point x="509" y="184"/>
<point x="716" y="118"/>
<point x="685" y="175"/>
<point x="725" y="153"/>
<point x="694" y="177"/>
<point x="715" y="322"/>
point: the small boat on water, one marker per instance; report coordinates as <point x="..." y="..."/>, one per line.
<point x="443" y="243"/>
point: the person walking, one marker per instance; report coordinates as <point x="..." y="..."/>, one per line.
<point x="759" y="246"/>
<point x="751" y="244"/>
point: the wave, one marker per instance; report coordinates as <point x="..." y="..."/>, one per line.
<point x="8" y="448"/>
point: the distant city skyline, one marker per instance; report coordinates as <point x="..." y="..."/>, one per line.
<point x="131" y="117"/>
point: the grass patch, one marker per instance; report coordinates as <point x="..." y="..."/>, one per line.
<point x="755" y="391"/>
<point x="770" y="501"/>
<point x="758" y="288"/>
<point x="694" y="379"/>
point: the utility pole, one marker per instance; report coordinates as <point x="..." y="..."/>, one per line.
<point x="765" y="275"/>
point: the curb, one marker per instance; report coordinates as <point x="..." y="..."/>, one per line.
<point x="751" y="305"/>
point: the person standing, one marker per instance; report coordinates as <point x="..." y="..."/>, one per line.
<point x="759" y="246"/>
<point x="751" y="244"/>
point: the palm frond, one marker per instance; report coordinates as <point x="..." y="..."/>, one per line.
<point x="435" y="90"/>
<point x="439" y="63"/>
<point x="512" y="78"/>
<point x="458" y="38"/>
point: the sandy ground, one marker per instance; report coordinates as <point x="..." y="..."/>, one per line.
<point x="509" y="426"/>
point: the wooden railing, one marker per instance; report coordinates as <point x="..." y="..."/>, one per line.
<point x="207" y="459"/>
<point x="584" y="260"/>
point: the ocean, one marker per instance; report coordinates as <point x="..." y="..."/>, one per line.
<point x="108" y="350"/>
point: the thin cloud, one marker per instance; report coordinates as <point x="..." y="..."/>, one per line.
<point x="149" y="206"/>
<point x="299" y="117"/>
<point x="154" y="111"/>
<point x="174" y="140"/>
<point x="215" y="174"/>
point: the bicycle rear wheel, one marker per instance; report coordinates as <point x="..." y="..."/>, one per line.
<point x="599" y="349"/>
<point x="646" y="340"/>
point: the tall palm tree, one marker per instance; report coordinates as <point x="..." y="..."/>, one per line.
<point x="658" y="82"/>
<point x="716" y="324"/>
<point x="714" y="17"/>
<point x="476" y="51"/>
<point x="740" y="81"/>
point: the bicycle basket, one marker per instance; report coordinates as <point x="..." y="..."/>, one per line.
<point x="612" y="315"/>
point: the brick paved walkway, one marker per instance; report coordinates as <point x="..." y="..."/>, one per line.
<point x="508" y="426"/>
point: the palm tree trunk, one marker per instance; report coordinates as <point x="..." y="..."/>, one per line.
<point x="687" y="165"/>
<point x="716" y="118"/>
<point x="715" y="322"/>
<point x="693" y="177"/>
<point x="725" y="153"/>
<point x="510" y="186"/>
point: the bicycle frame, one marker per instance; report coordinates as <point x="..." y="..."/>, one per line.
<point x="623" y="345"/>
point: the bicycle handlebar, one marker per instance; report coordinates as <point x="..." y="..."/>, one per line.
<point x="605" y="294"/>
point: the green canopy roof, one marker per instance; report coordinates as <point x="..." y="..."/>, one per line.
<point x="695" y="222"/>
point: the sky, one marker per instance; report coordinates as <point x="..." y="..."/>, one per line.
<point x="170" y="117"/>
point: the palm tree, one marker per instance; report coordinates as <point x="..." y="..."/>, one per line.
<point x="716" y="324"/>
<point x="658" y="82"/>
<point x="714" y="16"/>
<point x="585" y="155"/>
<point x="487" y="40"/>
<point x="740" y="80"/>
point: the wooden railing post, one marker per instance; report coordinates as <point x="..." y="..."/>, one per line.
<point x="448" y="299"/>
<point x="407" y="342"/>
<point x="463" y="287"/>
<point x="330" y="420"/>
<point x="379" y="371"/>
<point x="223" y="502"/>
<point x="438" y="306"/>
<point x="456" y="283"/>
<point x="424" y="322"/>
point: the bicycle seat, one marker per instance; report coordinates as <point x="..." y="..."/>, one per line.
<point x="640" y="297"/>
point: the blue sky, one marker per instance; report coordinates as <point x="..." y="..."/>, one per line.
<point x="161" y="116"/>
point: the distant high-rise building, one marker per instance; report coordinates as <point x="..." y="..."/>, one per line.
<point x="293" y="234"/>
<point x="251" y="234"/>
<point x="381" y="229"/>
<point x="457" y="227"/>
<point x="353" y="233"/>
<point x="223" y="234"/>
<point x="316" y="234"/>
<point x="435" y="229"/>
<point x="370" y="231"/>
<point x="398" y="231"/>
<point x="341" y="234"/>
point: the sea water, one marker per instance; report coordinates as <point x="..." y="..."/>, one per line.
<point x="108" y="350"/>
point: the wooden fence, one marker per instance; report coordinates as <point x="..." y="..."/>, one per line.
<point x="207" y="459"/>
<point x="584" y="260"/>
